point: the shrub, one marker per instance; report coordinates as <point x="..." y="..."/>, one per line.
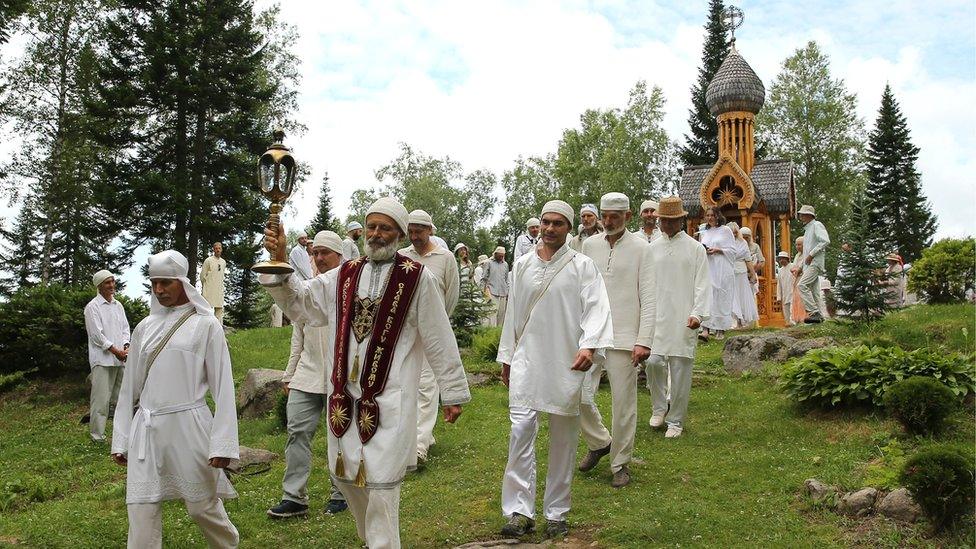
<point x="281" y="411"/>
<point x="484" y="344"/>
<point x="940" y="479"/>
<point x="945" y="272"/>
<point x="920" y="404"/>
<point x="862" y="374"/>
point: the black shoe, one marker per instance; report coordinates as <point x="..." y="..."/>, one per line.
<point x="556" y="529"/>
<point x="335" y="506"/>
<point x="85" y="419"/>
<point x="592" y="458"/>
<point x="813" y="319"/>
<point x="518" y="525"/>
<point x="288" y="509"/>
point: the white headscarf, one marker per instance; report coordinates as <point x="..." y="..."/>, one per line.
<point x="172" y="264"/>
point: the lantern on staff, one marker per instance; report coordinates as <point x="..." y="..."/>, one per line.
<point x="276" y="181"/>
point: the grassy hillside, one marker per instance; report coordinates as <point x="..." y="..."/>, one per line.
<point x="733" y="480"/>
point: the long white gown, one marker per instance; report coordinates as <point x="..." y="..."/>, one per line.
<point x="743" y="293"/>
<point x="720" y="269"/>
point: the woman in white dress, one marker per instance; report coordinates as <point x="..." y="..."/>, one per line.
<point x="743" y="295"/>
<point x="720" y="246"/>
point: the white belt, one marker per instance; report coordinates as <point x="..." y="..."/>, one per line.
<point x="147" y="415"/>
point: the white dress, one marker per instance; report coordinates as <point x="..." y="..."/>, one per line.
<point x="720" y="268"/>
<point x="743" y="293"/>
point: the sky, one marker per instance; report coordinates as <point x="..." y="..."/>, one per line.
<point x="486" y="82"/>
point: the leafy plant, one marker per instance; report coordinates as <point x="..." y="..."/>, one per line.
<point x="484" y="344"/>
<point x="861" y="375"/>
<point x="920" y="404"/>
<point x="941" y="480"/>
<point x="884" y="472"/>
<point x="945" y="272"/>
<point x="281" y="411"/>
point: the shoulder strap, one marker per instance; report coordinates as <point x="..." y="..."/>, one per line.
<point x="159" y="348"/>
<point x="566" y="260"/>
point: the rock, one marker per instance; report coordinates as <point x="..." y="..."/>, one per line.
<point x="259" y="392"/>
<point x="477" y="380"/>
<point x="251" y="456"/>
<point x="899" y="505"/>
<point x="857" y="504"/>
<point x="817" y="490"/>
<point x="745" y="353"/>
<point x="801" y="347"/>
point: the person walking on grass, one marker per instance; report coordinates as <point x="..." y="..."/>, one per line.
<point x="108" y="347"/>
<point x="815" y="242"/>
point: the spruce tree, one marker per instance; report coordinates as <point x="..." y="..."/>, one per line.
<point x="900" y="212"/>
<point x="471" y="309"/>
<point x="243" y="290"/>
<point x="324" y="219"/>
<point x="861" y="290"/>
<point x="701" y="147"/>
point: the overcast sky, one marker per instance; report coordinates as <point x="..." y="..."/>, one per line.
<point x="485" y="82"/>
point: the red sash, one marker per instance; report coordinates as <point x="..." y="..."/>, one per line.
<point x="389" y="320"/>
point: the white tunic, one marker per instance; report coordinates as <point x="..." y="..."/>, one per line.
<point x="815" y="241"/>
<point x="624" y="269"/>
<point x="170" y="438"/>
<point x="307" y="361"/>
<point x="573" y="314"/>
<point x="655" y="234"/>
<point x="440" y="263"/>
<point x="106" y="325"/>
<point x="524" y="244"/>
<point x="784" y="284"/>
<point x="682" y="288"/>
<point x="212" y="280"/>
<point x="426" y="333"/>
<point x="350" y="250"/>
<point x="301" y="262"/>
<point x="720" y="268"/>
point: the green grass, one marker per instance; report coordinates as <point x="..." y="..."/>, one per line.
<point x="732" y="480"/>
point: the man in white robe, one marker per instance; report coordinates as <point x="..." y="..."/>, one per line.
<point x="557" y="326"/>
<point x="299" y="259"/>
<point x="680" y="300"/>
<point x="589" y="226"/>
<point x="784" y="286"/>
<point x="172" y="445"/>
<point x="370" y="473"/>
<point x="815" y="242"/>
<point x="623" y="259"/>
<point x="108" y="346"/>
<point x="212" y="280"/>
<point x="527" y="241"/>
<point x="440" y="263"/>
<point x="350" y="246"/>
<point x="649" y="231"/>
<point x="494" y="277"/>
<point x="305" y="388"/>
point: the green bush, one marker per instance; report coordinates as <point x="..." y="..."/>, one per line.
<point x="43" y="327"/>
<point x="945" y="271"/>
<point x="281" y="411"/>
<point x="861" y="375"/>
<point x="920" y="404"/>
<point x="940" y="479"/>
<point x="484" y="344"/>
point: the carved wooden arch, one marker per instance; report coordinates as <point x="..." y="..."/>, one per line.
<point x="727" y="167"/>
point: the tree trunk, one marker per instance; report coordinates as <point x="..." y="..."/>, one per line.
<point x="196" y="184"/>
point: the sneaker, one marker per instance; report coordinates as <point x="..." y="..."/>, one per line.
<point x="703" y="335"/>
<point x="621" y="478"/>
<point x="288" y="509"/>
<point x="813" y="319"/>
<point x="656" y="421"/>
<point x="556" y="529"/>
<point x="592" y="458"/>
<point x="518" y="525"/>
<point x="674" y="431"/>
<point x="335" y="506"/>
<point x="85" y="419"/>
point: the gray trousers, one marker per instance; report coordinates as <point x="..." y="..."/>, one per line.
<point x="809" y="287"/>
<point x="658" y="368"/>
<point x="304" y="411"/>
<point x="105" y="384"/>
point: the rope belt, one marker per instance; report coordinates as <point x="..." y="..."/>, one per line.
<point x="148" y="414"/>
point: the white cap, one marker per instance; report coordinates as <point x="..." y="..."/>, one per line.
<point x="532" y="222"/>
<point x="617" y="202"/>
<point x="328" y="239"/>
<point x="746" y="230"/>
<point x="353" y="225"/>
<point x="458" y="246"/>
<point x="391" y="208"/>
<point x="649" y="204"/>
<point x="302" y="234"/>
<point x="500" y="250"/>
<point x="589" y="208"/>
<point x="101" y="276"/>
<point x="420" y="217"/>
<point x="782" y="255"/>
<point x="807" y="209"/>
<point x="560" y="207"/>
<point x="171" y="264"/>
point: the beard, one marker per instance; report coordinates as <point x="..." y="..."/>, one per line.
<point x="378" y="250"/>
<point x="614" y="232"/>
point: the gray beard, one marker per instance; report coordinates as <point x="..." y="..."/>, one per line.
<point x="615" y="231"/>
<point x="381" y="253"/>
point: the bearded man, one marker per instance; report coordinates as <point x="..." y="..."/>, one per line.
<point x="590" y="225"/>
<point x="648" y="214"/>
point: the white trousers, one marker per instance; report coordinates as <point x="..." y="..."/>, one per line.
<point x="809" y="287"/>
<point x="146" y="524"/>
<point x="501" y="303"/>
<point x="623" y="390"/>
<point x="428" y="404"/>
<point x="679" y="368"/>
<point x="377" y="514"/>
<point x="105" y="384"/>
<point x="788" y="313"/>
<point x="518" y="485"/>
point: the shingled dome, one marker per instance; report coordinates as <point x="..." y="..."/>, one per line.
<point x="735" y="87"/>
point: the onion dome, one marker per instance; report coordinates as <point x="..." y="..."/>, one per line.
<point x="735" y="87"/>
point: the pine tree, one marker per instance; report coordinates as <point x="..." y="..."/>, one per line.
<point x="471" y="309"/>
<point x="900" y="212"/>
<point x="243" y="290"/>
<point x="701" y="147"/>
<point x="324" y="219"/>
<point x="860" y="290"/>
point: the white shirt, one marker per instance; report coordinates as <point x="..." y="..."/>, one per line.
<point x="439" y="242"/>
<point x="440" y="263"/>
<point x="301" y="262"/>
<point x="307" y="361"/>
<point x="784" y="284"/>
<point x="815" y="241"/>
<point x="169" y="440"/>
<point x="494" y="275"/>
<point x="523" y="245"/>
<point x="212" y="280"/>
<point x="573" y="314"/>
<point x="350" y="250"/>
<point x="106" y="325"/>
<point x="426" y="334"/>
<point x="655" y="234"/>
<point x="681" y="288"/>
<point x="625" y="269"/>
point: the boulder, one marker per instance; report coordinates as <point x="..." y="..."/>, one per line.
<point x="858" y="504"/>
<point x="251" y="456"/>
<point x="801" y="347"/>
<point x="899" y="505"/>
<point x="743" y="353"/>
<point x="259" y="392"/>
<point x="477" y="380"/>
<point x="817" y="490"/>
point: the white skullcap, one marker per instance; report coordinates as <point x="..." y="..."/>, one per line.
<point x="458" y="246"/>
<point x="328" y="239"/>
<point x="391" y="208"/>
<point x="532" y="222"/>
<point x="782" y="255"/>
<point x="171" y="264"/>
<point x="500" y="250"/>
<point x="353" y="225"/>
<point x="101" y="276"/>
<point x="420" y="217"/>
<point x="302" y="234"/>
<point x="652" y="204"/>
<point x="734" y="226"/>
<point x="560" y="207"/>
<point x="482" y="258"/>
<point x="617" y="202"/>
<point x="589" y="208"/>
<point x="746" y="230"/>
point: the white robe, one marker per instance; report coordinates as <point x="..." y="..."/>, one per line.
<point x="441" y="263"/>
<point x="720" y="268"/>
<point x="426" y="333"/>
<point x="784" y="284"/>
<point x="212" y="280"/>
<point x="743" y="292"/>
<point x="350" y="249"/>
<point x="681" y="287"/>
<point x="170" y="439"/>
<point x="573" y="314"/>
<point x="301" y="262"/>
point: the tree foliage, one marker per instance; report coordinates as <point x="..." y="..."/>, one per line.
<point x="946" y="273"/>
<point x="526" y="188"/>
<point x="860" y="290"/>
<point x="701" y="146"/>
<point x="325" y="218"/>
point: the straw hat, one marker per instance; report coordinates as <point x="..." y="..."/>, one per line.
<point x="807" y="209"/>
<point x="782" y="255"/>
<point x="670" y="208"/>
